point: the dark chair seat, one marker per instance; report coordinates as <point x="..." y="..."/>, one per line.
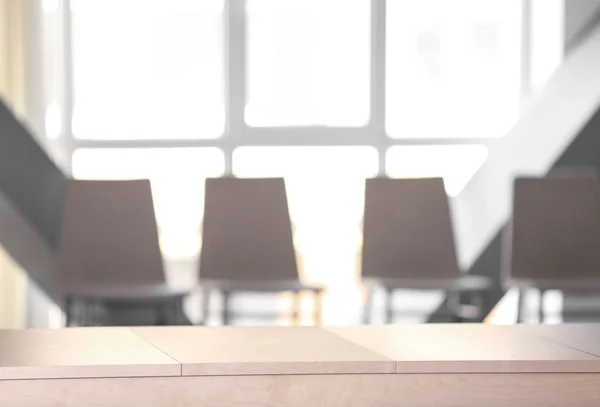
<point x="258" y="286"/>
<point x="128" y="293"/>
<point x="574" y="284"/>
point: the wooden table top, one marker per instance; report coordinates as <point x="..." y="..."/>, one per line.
<point x="81" y="352"/>
<point x="264" y="350"/>
<point x="224" y="351"/>
<point x="464" y="348"/>
<point x="583" y="337"/>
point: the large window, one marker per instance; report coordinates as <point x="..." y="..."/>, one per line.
<point x="453" y="68"/>
<point x="308" y="62"/>
<point x="324" y="93"/>
<point x="147" y="69"/>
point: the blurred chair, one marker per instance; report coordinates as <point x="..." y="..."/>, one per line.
<point x="408" y="244"/>
<point x="554" y="238"/>
<point x="247" y="243"/>
<point x="110" y="264"/>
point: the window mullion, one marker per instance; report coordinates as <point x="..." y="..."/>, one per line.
<point x="68" y="84"/>
<point x="378" y="31"/>
<point x="235" y="45"/>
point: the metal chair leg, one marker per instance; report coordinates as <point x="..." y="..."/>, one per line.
<point x="161" y="313"/>
<point x="477" y="300"/>
<point x="173" y="313"/>
<point x="368" y="308"/>
<point x="520" y="304"/>
<point x="205" y="306"/>
<point x="96" y="318"/>
<point x="541" y="313"/>
<point x="389" y="311"/>
<point x="453" y="304"/>
<point x="167" y="312"/>
<point x="225" y="312"/>
<point x="84" y="311"/>
<point x="68" y="311"/>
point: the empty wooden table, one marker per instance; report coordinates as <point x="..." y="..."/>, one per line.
<point x="426" y="365"/>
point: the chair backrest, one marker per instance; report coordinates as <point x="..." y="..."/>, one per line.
<point x="555" y="229"/>
<point x="109" y="235"/>
<point x="247" y="234"/>
<point x="407" y="230"/>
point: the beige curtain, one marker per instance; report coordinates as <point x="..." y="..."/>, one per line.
<point x="13" y="62"/>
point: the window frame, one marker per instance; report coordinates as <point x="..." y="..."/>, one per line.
<point x="239" y="134"/>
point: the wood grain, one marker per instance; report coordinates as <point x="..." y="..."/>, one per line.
<point x="75" y="352"/>
<point x="272" y="350"/>
<point x="464" y="348"/>
<point x="375" y="390"/>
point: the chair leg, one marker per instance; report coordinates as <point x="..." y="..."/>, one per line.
<point x="83" y="313"/>
<point x="541" y="313"/>
<point x="89" y="309"/>
<point x="453" y="305"/>
<point x="68" y="311"/>
<point x="520" y="303"/>
<point x="482" y="303"/>
<point x="96" y="313"/>
<point x="168" y="312"/>
<point x="368" y="308"/>
<point x="172" y="313"/>
<point x="182" y="318"/>
<point x="225" y="312"/>
<point x="389" y="311"/>
<point x="161" y="313"/>
<point x="205" y="306"/>
<point x="477" y="300"/>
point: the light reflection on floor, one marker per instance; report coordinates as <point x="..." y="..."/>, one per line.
<point x="321" y="264"/>
<point x="558" y="308"/>
<point x="341" y="306"/>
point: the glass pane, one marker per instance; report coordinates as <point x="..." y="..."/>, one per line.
<point x="51" y="58"/>
<point x="547" y="41"/>
<point x="457" y="164"/>
<point x="453" y="67"/>
<point x="325" y="187"/>
<point x="177" y="177"/>
<point x="308" y="62"/>
<point x="147" y="69"/>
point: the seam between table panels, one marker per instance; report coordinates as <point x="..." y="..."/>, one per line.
<point x="564" y="345"/>
<point x="395" y="370"/>
<point x="132" y="330"/>
<point x="554" y="341"/>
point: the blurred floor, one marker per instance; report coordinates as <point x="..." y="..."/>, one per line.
<point x="342" y="303"/>
<point x="340" y="307"/>
<point x="558" y="307"/>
